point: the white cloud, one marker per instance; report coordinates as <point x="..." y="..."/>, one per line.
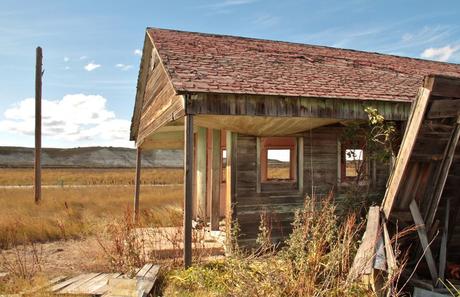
<point x="441" y="53"/>
<point x="76" y="118"/>
<point x="266" y="19"/>
<point x="66" y="59"/>
<point x="137" y="52"/>
<point x="91" y="66"/>
<point x="66" y="67"/>
<point x="124" y="67"/>
<point x="83" y="57"/>
<point x="227" y="3"/>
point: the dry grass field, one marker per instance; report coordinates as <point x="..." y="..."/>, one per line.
<point x="74" y="212"/>
<point x="88" y="176"/>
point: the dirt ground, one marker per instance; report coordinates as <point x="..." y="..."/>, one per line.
<point x="66" y="257"/>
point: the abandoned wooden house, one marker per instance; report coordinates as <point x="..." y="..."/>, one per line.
<point x="234" y="104"/>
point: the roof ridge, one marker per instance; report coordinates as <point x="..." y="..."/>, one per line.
<point x="303" y="44"/>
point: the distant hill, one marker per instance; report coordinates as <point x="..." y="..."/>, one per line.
<point x="89" y="157"/>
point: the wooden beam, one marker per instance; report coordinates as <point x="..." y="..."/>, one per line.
<point x="38" y="126"/>
<point x="407" y="145"/>
<point x="447" y="108"/>
<point x="389" y="252"/>
<point x="443" y="247"/>
<point x="422" y="235"/>
<point x="294" y="107"/>
<point x="216" y="174"/>
<point x="442" y="173"/>
<point x="201" y="140"/>
<point x="188" y="189"/>
<point x="137" y="186"/>
<point x="445" y="86"/>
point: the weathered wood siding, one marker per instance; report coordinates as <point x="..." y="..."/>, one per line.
<point x="320" y="163"/>
<point x="281" y="106"/>
<point x="160" y="103"/>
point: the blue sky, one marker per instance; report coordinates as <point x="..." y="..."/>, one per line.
<point x="91" y="64"/>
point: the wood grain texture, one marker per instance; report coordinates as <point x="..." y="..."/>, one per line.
<point x="277" y="106"/>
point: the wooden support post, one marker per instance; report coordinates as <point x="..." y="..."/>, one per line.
<point x="215" y="179"/>
<point x="230" y="213"/>
<point x="421" y="231"/>
<point x="442" y="173"/>
<point x="38" y="126"/>
<point x="188" y="189"/>
<point x="258" y="165"/>
<point x="300" y="147"/>
<point x="443" y="248"/>
<point x="201" y="173"/>
<point x="137" y="182"/>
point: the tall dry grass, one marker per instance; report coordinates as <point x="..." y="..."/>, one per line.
<point x="76" y="212"/>
<point x="315" y="261"/>
<point x="90" y="176"/>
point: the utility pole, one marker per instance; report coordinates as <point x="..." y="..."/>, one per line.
<point x="38" y="125"/>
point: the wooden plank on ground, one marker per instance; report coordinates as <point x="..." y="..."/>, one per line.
<point x="66" y="283"/>
<point x="144" y="270"/>
<point x="364" y="259"/>
<point x="122" y="287"/>
<point x="103" y="287"/>
<point x="421" y="231"/>
<point x="73" y="288"/>
<point x="145" y="284"/>
<point x="89" y="286"/>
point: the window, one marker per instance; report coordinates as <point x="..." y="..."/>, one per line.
<point x="354" y="163"/>
<point x="278" y="164"/>
<point x="278" y="157"/>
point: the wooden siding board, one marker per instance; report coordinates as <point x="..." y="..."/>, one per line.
<point x="277" y="106"/>
<point x="160" y="103"/>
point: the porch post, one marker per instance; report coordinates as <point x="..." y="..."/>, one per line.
<point x="188" y="189"/>
<point x="137" y="182"/>
<point x="215" y="179"/>
<point x="201" y="172"/>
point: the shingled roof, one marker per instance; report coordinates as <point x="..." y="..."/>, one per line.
<point x="198" y="62"/>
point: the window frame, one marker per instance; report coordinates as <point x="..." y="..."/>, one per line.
<point x="281" y="143"/>
<point x="343" y="147"/>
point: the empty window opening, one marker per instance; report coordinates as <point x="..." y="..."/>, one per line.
<point x="354" y="162"/>
<point x="278" y="161"/>
<point x="278" y="164"/>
